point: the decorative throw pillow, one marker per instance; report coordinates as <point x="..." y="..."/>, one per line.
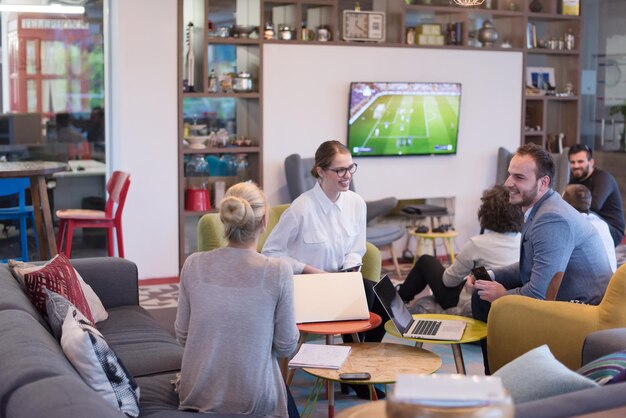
<point x="98" y="365"/>
<point x="537" y="374"/>
<point x="20" y="268"/>
<point x="606" y="368"/>
<point x="57" y="275"/>
<point x="57" y="308"/>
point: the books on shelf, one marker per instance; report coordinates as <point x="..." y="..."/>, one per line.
<point x="320" y="356"/>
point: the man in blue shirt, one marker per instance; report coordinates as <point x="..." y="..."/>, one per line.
<point x="556" y="242"/>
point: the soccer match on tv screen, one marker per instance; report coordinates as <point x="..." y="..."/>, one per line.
<point x="403" y="118"/>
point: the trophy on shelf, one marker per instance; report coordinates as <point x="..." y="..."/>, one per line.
<point x="189" y="81"/>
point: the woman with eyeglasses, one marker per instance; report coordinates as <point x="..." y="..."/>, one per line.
<point x="323" y="230"/>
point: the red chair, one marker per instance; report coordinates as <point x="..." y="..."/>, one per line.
<point x="111" y="217"/>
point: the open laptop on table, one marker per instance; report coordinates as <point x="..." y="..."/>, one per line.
<point x="329" y="297"/>
<point x="430" y="329"/>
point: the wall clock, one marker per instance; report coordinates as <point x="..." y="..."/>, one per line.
<point x="363" y="26"/>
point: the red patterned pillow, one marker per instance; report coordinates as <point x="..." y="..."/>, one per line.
<point x="57" y="276"/>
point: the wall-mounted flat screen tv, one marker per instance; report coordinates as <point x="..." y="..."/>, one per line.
<point x="396" y="118"/>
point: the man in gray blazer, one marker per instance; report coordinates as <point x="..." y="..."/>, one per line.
<point x="556" y="242"/>
<point x="555" y="239"/>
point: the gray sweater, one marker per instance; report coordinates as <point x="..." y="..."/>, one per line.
<point x="235" y="318"/>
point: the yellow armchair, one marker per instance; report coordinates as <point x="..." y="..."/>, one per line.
<point x="211" y="236"/>
<point x="518" y="324"/>
<point x="210" y="232"/>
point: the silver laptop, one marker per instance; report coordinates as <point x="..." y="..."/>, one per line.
<point x="429" y="329"/>
<point x="329" y="297"/>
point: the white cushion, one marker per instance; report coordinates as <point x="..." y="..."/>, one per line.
<point x="538" y="374"/>
<point x="98" y="364"/>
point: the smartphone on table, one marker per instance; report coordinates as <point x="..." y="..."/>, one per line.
<point x="355" y="376"/>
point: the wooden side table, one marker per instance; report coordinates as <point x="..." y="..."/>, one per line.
<point x="383" y="361"/>
<point x="329" y="329"/>
<point x="445" y="237"/>
<point x="475" y="330"/>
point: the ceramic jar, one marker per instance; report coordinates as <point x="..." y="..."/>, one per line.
<point x="487" y="35"/>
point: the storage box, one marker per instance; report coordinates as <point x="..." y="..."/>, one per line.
<point x="429" y="29"/>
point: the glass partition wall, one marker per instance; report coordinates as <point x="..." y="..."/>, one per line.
<point x="52" y="108"/>
<point x="603" y="86"/>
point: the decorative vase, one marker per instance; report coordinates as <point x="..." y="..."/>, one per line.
<point x="535" y="6"/>
<point x="487" y="35"/>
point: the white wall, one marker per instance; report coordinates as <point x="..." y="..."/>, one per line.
<point x="305" y="90"/>
<point x="305" y="102"/>
<point x="143" y="132"/>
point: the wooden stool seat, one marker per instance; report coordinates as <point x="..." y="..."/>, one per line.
<point x="445" y="237"/>
<point x="82" y="214"/>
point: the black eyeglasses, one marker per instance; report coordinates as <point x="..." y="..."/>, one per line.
<point x="342" y="172"/>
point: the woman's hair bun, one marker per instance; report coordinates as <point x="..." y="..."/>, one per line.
<point x="235" y="211"/>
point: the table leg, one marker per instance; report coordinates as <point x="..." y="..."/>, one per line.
<point x="449" y="249"/>
<point x="291" y="372"/>
<point x="458" y="358"/>
<point x="39" y="222"/>
<point x="51" y="242"/>
<point x="312" y="399"/>
<point x="331" y="398"/>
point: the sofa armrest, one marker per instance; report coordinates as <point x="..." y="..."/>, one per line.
<point x="575" y="403"/>
<point x="517" y="324"/>
<point x="601" y="343"/>
<point x="114" y="280"/>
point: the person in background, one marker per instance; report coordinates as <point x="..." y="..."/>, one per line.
<point x="579" y="197"/>
<point x="95" y="133"/>
<point x="606" y="200"/>
<point x="498" y="246"/>
<point x="65" y="132"/>
<point x="556" y="243"/>
<point x="236" y="318"/>
<point x="323" y="230"/>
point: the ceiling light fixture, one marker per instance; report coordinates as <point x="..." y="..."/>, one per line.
<point x="469" y="2"/>
<point x="52" y="8"/>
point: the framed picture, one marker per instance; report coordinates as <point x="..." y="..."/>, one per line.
<point x="540" y="77"/>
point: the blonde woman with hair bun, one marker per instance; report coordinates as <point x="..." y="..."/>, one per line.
<point x="230" y="362"/>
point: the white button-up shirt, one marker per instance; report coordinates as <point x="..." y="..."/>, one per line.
<point x="321" y="233"/>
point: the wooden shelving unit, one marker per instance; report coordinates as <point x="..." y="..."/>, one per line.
<point x="241" y="114"/>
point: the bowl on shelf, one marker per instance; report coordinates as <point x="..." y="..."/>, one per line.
<point x="197" y="142"/>
<point x="243" y="31"/>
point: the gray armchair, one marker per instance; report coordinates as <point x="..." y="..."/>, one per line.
<point x="561" y="165"/>
<point x="299" y="180"/>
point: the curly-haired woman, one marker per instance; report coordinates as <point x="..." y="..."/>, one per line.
<point x="499" y="245"/>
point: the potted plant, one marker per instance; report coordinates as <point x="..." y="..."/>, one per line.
<point x="622" y="136"/>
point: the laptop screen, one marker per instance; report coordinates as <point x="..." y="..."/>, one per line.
<point x="393" y="303"/>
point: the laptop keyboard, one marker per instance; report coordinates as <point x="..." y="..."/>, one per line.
<point x="427" y="327"/>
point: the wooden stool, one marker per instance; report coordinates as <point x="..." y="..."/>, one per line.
<point x="445" y="237"/>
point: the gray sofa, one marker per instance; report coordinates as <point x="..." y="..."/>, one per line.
<point x="37" y="379"/>
<point x="597" y="344"/>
